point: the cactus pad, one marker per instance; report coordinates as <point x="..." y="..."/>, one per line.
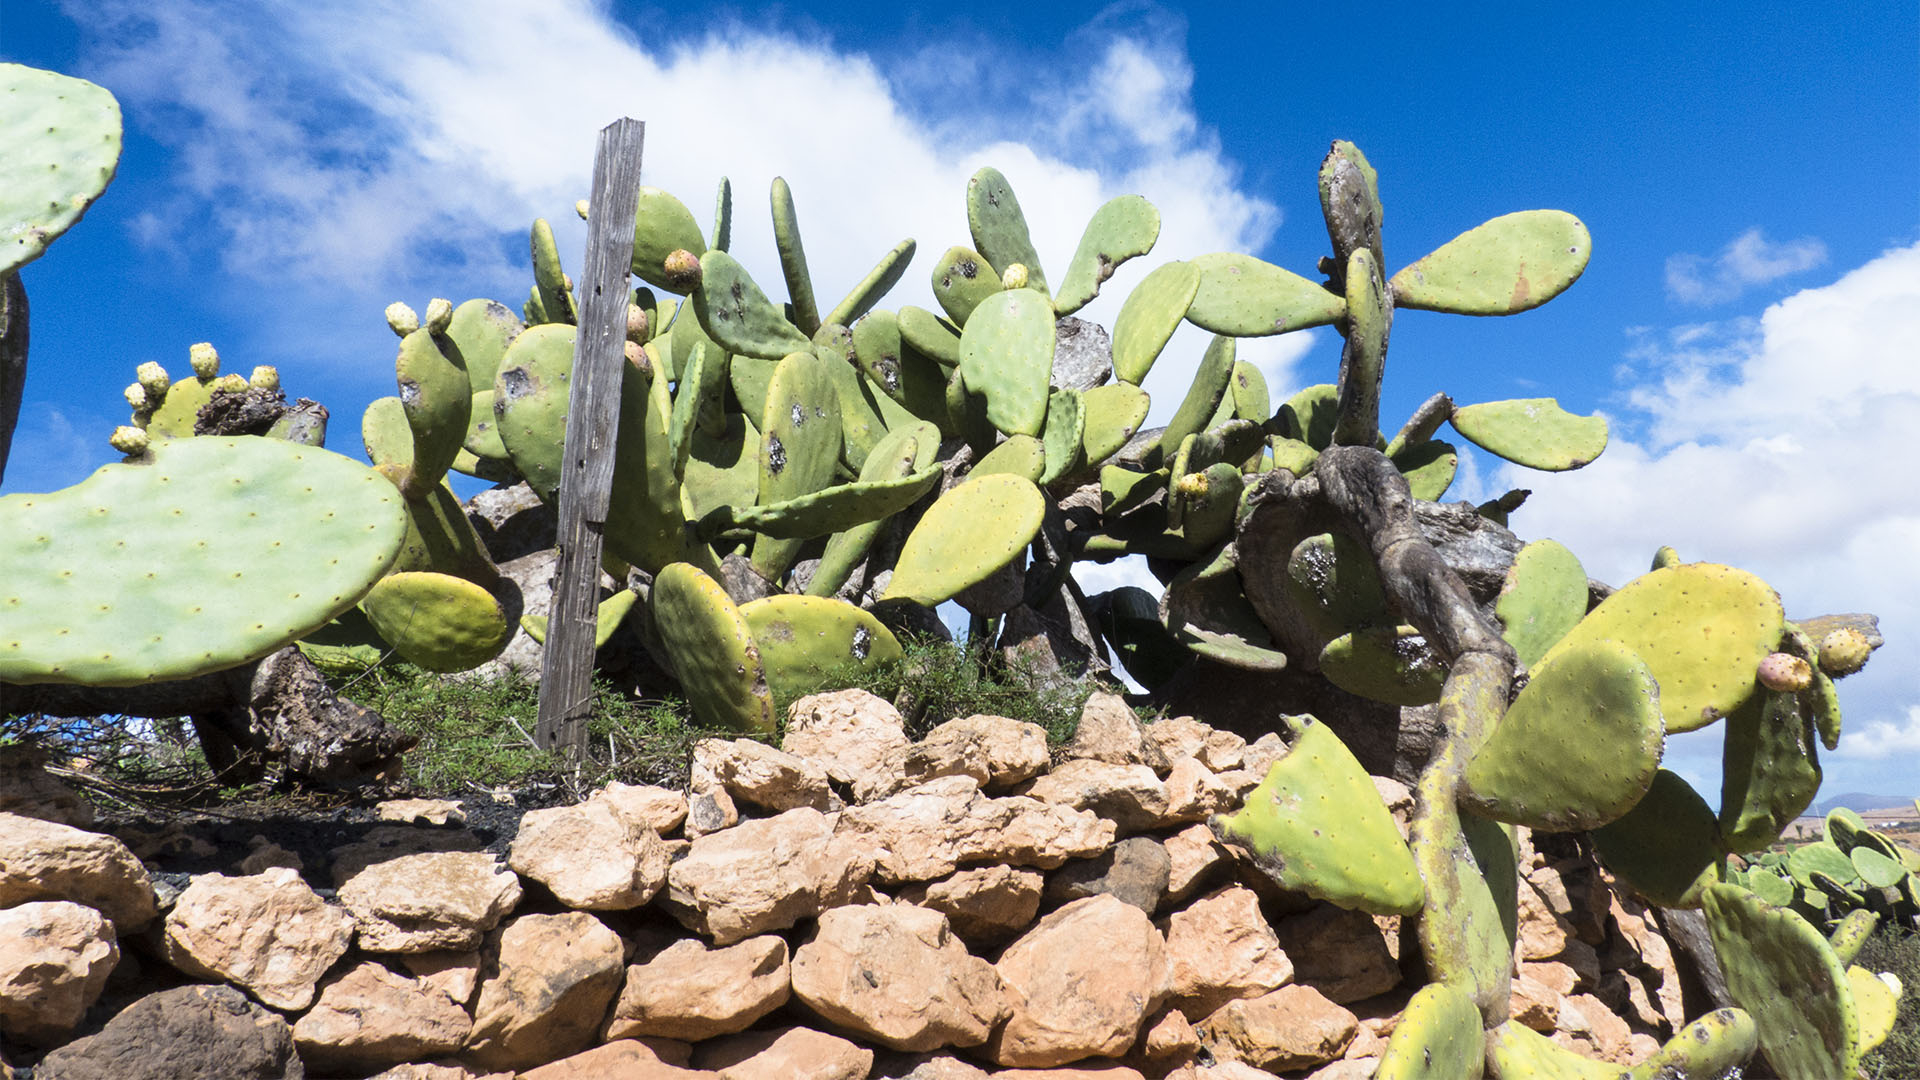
<point x="737" y="315"/>
<point x="1245" y="297"/>
<point x="437" y="398"/>
<point x="1006" y="354"/>
<point x="999" y="228"/>
<point x="214" y="552"/>
<point x="530" y="402"/>
<point x="662" y="225"/>
<point x="1148" y="318"/>
<point x="966" y="535"/>
<point x="1438" y="1038"/>
<point x="808" y="643"/>
<point x="1316" y="825"/>
<point x="1544" y="597"/>
<point x="438" y="621"/>
<point x="1713" y="1047"/>
<point x="712" y="650"/>
<point x="1516" y="1052"/>
<point x="1535" y="432"/>
<point x="607" y="618"/>
<point x="1779" y="969"/>
<point x="1579" y="745"/>
<point x="1668" y="846"/>
<point x="1701" y="627"/>
<point x="1114" y="414"/>
<point x="1510" y="264"/>
<point x="1212" y="381"/>
<point x="961" y="280"/>
<point x="1122" y="229"/>
<point x="800" y="434"/>
<point x="1429" y="468"/>
<point x="62" y="136"/>
<point x="1384" y="663"/>
<point x="868" y="290"/>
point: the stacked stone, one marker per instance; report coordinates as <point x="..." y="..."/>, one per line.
<point x="851" y="905"/>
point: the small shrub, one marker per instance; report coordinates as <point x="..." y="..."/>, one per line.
<point x="1898" y="951"/>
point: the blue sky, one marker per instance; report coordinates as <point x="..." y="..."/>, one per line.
<point x="1750" y="321"/>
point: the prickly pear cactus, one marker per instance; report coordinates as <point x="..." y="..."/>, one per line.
<point x="62" y="145"/>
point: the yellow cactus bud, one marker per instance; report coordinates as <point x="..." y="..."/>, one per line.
<point x="130" y="441"/>
<point x="580" y="207"/>
<point x="401" y="319"/>
<point x="154" y="378"/>
<point x="231" y="384"/>
<point x="1015" y="277"/>
<point x="205" y="360"/>
<point x="439" y="315"/>
<point x="137" y="397"/>
<point x="265" y="377"/>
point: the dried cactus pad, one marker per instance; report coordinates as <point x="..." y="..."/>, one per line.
<point x="63" y="144"/>
<point x="216" y="552"/>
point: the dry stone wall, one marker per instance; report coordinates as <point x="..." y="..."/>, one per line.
<point x="851" y="905"/>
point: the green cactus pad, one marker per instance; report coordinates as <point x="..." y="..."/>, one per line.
<point x="1292" y="455"/>
<point x="1384" y="663"/>
<point x="1438" y="1038"/>
<point x="437" y="621"/>
<point x="1703" y="629"/>
<point x="440" y="537"/>
<point x="213" y="552"/>
<point x="900" y="371"/>
<point x="556" y="299"/>
<point x="1334" y="583"/>
<point x="722" y="236"/>
<point x="1316" y="825"/>
<point x="1363" y="359"/>
<point x="1064" y="435"/>
<point x="793" y="259"/>
<point x="1212" y="381"/>
<point x="1429" y="468"/>
<point x="1713" y="1047"/>
<point x="999" y="228"/>
<point x="482" y="330"/>
<point x="808" y="643"/>
<point x="1821" y="857"/>
<point x="663" y="225"/>
<point x="1877" y="1005"/>
<point x="1114" y="414"/>
<point x="1535" y="432"/>
<point x="438" y="400"/>
<point x="865" y="412"/>
<point x="646" y="523"/>
<point x="1020" y="455"/>
<point x="1876" y="870"/>
<point x="530" y="402"/>
<point x="1122" y="229"/>
<point x="1516" y="1052"/>
<point x="830" y="509"/>
<point x="1779" y="969"/>
<point x="1203" y="505"/>
<point x="1823" y="700"/>
<point x="1769" y="772"/>
<point x="931" y="334"/>
<point x="1251" y="399"/>
<point x="711" y="649"/>
<point x="905" y="451"/>
<point x="1579" y="745"/>
<point x="1350" y="203"/>
<point x="961" y="280"/>
<point x="1510" y="264"/>
<point x="63" y="144"/>
<point x="483" y="430"/>
<point x="965" y="536"/>
<point x="1006" y="354"/>
<point x="1668" y="846"/>
<point x="800" y="434"/>
<point x="1208" y="613"/>
<point x="606" y="619"/>
<point x="1544" y="597"/>
<point x="1310" y="415"/>
<point x="684" y="336"/>
<point x="722" y="469"/>
<point x="175" y="416"/>
<point x="867" y="292"/>
<point x="1148" y="318"/>
<point x="1242" y="296"/>
<point x="1851" y="932"/>
<point x="736" y="314"/>
<point x="700" y="387"/>
<point x="749" y="377"/>
<point x="1130" y="621"/>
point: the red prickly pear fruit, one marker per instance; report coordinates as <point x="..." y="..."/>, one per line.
<point x="1844" y="651"/>
<point x="637" y="324"/>
<point x="682" y="270"/>
<point x="1785" y="673"/>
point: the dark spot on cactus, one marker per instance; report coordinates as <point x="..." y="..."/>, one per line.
<point x="515" y="383"/>
<point x="776" y="455"/>
<point x="862" y="642"/>
<point x="819" y="412"/>
<point x="739" y="292"/>
<point x="890" y="373"/>
<point x="968" y="268"/>
<point x="799" y="414"/>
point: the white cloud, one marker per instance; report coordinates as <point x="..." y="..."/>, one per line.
<point x="1880" y="739"/>
<point x="1782" y="445"/>
<point x="1750" y="259"/>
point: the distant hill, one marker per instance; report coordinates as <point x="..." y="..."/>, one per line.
<point x="1863" y="803"/>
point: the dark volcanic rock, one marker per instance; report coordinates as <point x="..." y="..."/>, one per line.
<point x="189" y="1033"/>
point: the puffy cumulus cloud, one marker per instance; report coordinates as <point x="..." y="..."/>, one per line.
<point x="1781" y="445"/>
<point x="1750" y="259"/>
<point x="402" y="148"/>
<point x="1879" y="739"/>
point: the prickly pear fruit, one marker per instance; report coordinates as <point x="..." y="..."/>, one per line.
<point x="401" y="319"/>
<point x="1015" y="277"/>
<point x="439" y="315"/>
<point x="137" y="397"/>
<point x="680" y="271"/>
<point x="1844" y="651"/>
<point x="637" y="324"/>
<point x="154" y="379"/>
<point x="128" y="440"/>
<point x="264" y="377"/>
<point x="1785" y="673"/>
<point x="231" y="384"/>
<point x="205" y="360"/>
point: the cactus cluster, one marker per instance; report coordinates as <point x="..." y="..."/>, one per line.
<point x="1851" y="869"/>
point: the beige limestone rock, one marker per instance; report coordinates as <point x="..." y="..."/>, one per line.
<point x="1353" y="1068"/>
<point x="896" y="974"/>
<point x="1543" y="933"/>
<point x="29" y="790"/>
<point x="264" y="856"/>
<point x="986" y="904"/>
<point x="548" y="982"/>
<point x="625" y="1059"/>
<point x="1294" y="1027"/>
<point x="848" y="733"/>
<point x="1534" y="1003"/>
<point x="1178" y="737"/>
<point x="995" y="751"/>
<point x="657" y="808"/>
<point x="269" y="934"/>
<point x="710" y="812"/>
<point x="430" y="901"/>
<point x="453" y="972"/>
<point x="894" y="1065"/>
<point x="1110" y="1071"/>
<point x="1588" y="1016"/>
<point x="1130" y="796"/>
<point x="927" y="832"/>
<point x="766" y="875"/>
<point x="1194" y="855"/>
<point x="1223" y="750"/>
<point x="1341" y="953"/>
<point x="368" y="1018"/>
<point x="1170" y="1038"/>
<point x="1194" y="794"/>
<point x="590" y="856"/>
<point x="420" y="1070"/>
<point x="1080" y="983"/>
<point x="1135" y="870"/>
<point x="431" y="811"/>
<point x="384" y="842"/>
<point x="1220" y="1070"/>
<point x="1110" y="732"/>
<point x="794" y="1053"/>
<point x="55" y="956"/>
<point x="1221" y="948"/>
<point x="689" y="991"/>
<point x="759" y="775"/>
<point x="45" y="860"/>
<point x="1260" y="755"/>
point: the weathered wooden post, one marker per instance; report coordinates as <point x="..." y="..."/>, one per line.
<point x="593" y="422"/>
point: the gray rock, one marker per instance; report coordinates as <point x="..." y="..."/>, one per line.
<point x="189" y="1033"/>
